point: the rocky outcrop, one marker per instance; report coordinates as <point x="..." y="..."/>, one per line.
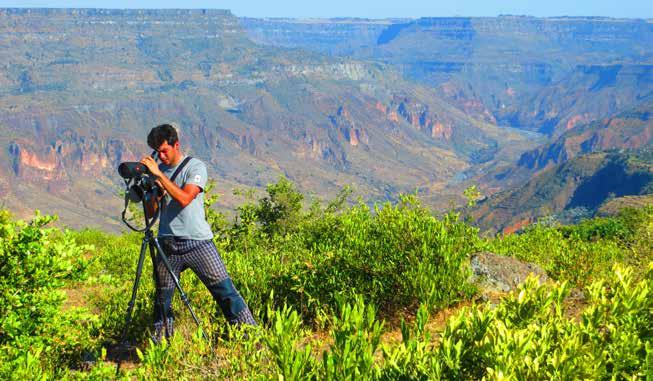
<point x="346" y="125"/>
<point x="631" y="129"/>
<point x="54" y="163"/>
<point x="417" y="115"/>
<point x="498" y="273"/>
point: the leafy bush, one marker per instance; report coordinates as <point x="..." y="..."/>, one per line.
<point x="623" y="228"/>
<point x="35" y="263"/>
<point x="313" y="268"/>
<point x="356" y="337"/>
<point x="584" y="252"/>
<point x="395" y="256"/>
<point x="283" y="341"/>
<point x="529" y="336"/>
<point x="564" y="258"/>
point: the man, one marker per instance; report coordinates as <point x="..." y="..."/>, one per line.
<point x="184" y="234"/>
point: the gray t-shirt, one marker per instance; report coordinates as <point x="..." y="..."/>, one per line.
<point x="189" y="222"/>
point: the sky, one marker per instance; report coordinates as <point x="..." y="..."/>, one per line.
<point x="373" y="8"/>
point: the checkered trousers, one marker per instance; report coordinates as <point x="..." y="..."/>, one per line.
<point x="200" y="256"/>
<point x="203" y="258"/>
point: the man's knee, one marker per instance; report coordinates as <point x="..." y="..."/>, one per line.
<point x="163" y="277"/>
<point x="228" y="298"/>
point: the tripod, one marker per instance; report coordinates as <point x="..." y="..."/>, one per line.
<point x="152" y="243"/>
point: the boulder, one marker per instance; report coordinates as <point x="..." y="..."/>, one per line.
<point x="497" y="273"/>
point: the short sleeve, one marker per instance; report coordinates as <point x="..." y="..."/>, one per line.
<point x="196" y="174"/>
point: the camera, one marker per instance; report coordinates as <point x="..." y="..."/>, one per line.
<point x="143" y="183"/>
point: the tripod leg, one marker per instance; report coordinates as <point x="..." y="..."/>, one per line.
<point x="159" y="305"/>
<point x="132" y="301"/>
<point x="130" y="307"/>
<point x="183" y="295"/>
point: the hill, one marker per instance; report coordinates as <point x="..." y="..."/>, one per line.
<point x="537" y="74"/>
<point x="81" y="89"/>
<point x="568" y="191"/>
<point x="388" y="106"/>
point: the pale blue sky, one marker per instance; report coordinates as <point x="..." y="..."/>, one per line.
<point x="374" y="8"/>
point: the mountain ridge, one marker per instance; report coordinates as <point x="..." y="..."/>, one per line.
<point x="79" y="103"/>
<point x="81" y="88"/>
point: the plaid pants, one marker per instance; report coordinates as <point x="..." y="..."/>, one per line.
<point x="203" y="258"/>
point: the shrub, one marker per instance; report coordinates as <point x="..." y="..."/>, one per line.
<point x="35" y="263"/>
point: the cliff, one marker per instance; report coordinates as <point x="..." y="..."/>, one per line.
<point x="81" y="89"/>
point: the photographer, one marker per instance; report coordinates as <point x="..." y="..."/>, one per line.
<point x="184" y="233"/>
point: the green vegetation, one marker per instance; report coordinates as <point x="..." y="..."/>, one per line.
<point x="332" y="285"/>
<point x="584" y="252"/>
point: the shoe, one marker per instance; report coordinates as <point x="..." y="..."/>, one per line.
<point x="162" y="330"/>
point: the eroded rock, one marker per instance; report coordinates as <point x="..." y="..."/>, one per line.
<point x="497" y="273"/>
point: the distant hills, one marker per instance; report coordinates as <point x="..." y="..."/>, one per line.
<point x="587" y="83"/>
<point x="574" y="174"/>
<point x="631" y="129"/>
<point x="81" y="89"/>
<point x="574" y="189"/>
<point x="388" y="106"/>
<point x="538" y="74"/>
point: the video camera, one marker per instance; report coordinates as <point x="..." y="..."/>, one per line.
<point x="139" y="180"/>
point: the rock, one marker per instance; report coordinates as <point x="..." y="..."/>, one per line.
<point x="497" y="273"/>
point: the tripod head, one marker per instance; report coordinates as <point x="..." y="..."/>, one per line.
<point x="148" y="197"/>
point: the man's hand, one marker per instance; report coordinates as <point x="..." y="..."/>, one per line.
<point x="152" y="166"/>
<point x="183" y="196"/>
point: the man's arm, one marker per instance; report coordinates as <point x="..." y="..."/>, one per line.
<point x="183" y="196"/>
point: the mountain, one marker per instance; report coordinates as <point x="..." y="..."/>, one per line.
<point x="537" y="74"/>
<point x="631" y="129"/>
<point x="82" y="87"/>
<point x="575" y="188"/>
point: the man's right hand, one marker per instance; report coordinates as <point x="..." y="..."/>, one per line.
<point x="152" y="166"/>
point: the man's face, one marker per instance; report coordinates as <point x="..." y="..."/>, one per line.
<point x="168" y="154"/>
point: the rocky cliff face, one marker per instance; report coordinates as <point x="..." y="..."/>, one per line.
<point x="631" y="129"/>
<point x="81" y="89"/>
<point x="543" y="75"/>
<point x="577" y="187"/>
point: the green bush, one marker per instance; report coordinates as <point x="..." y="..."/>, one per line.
<point x="584" y="252"/>
<point x="395" y="256"/>
<point x="35" y="263"/>
<point x="622" y="228"/>
<point x="569" y="258"/>
<point x="530" y="336"/>
<point x="301" y="268"/>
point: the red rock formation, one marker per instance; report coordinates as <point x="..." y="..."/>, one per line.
<point x="516" y="227"/>
<point x="348" y="128"/>
<point x="353" y="138"/>
<point x="381" y="107"/>
<point x="441" y="131"/>
<point x="576" y="120"/>
<point x="418" y="116"/>
<point x="32" y="160"/>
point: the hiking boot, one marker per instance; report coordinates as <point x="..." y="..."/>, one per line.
<point x="162" y="330"/>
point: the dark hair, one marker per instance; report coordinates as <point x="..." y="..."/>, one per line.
<point x="160" y="134"/>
